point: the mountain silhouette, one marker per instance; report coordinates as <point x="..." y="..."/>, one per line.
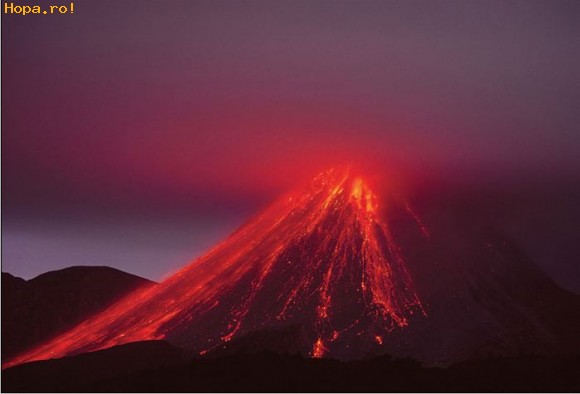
<point x="35" y="310"/>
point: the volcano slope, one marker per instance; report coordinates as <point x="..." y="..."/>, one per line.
<point x="354" y="278"/>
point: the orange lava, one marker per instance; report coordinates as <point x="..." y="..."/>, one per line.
<point x="318" y="349"/>
<point x="322" y="258"/>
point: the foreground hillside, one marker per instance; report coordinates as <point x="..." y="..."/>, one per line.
<point x="155" y="366"/>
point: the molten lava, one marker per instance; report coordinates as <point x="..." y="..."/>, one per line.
<point x="321" y="259"/>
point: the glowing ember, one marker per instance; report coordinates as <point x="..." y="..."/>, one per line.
<point x="318" y="349"/>
<point x="321" y="259"/>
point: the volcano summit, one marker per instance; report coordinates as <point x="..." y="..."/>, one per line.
<point x="352" y="278"/>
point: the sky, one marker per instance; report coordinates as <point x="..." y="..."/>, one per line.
<point x="138" y="134"/>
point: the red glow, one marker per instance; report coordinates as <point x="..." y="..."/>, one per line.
<point x="318" y="349"/>
<point x="322" y="258"/>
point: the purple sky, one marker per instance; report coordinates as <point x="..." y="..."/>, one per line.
<point x="137" y="134"/>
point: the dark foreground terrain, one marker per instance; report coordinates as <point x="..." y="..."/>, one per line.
<point x="155" y="366"/>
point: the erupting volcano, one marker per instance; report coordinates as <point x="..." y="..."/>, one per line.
<point x="334" y="271"/>
<point x="321" y="259"/>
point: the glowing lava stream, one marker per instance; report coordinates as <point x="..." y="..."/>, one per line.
<point x="321" y="259"/>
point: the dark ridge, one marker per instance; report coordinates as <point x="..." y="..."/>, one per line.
<point x="84" y="370"/>
<point x="33" y="311"/>
<point x="155" y="366"/>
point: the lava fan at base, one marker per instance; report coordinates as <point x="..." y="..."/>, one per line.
<point x="321" y="259"/>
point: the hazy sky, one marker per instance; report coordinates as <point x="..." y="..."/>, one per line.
<point x="136" y="134"/>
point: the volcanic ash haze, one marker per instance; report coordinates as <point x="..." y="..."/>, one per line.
<point x="320" y="259"/>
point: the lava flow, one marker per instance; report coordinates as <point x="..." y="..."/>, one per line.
<point x="322" y="259"/>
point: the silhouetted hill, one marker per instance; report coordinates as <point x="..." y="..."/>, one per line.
<point x="155" y="366"/>
<point x="35" y="310"/>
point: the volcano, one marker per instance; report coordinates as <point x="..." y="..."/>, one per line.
<point x="351" y="276"/>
